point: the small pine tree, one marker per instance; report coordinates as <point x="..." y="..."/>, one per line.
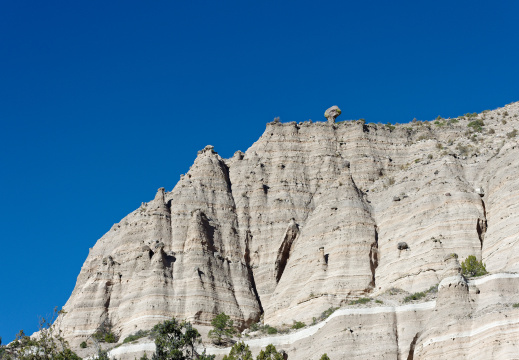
<point x="239" y="351"/>
<point x="222" y="328"/>
<point x="325" y="357"/>
<point x="49" y="345"/>
<point x="270" y="353"/>
<point x="472" y="267"/>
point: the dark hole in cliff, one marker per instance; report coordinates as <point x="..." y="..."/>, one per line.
<point x="282" y="262"/>
<point x="266" y="188"/>
<point x="481" y="228"/>
<point x="284" y="252"/>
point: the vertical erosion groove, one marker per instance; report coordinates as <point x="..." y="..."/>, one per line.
<point x="247" y="259"/>
<point x="373" y="258"/>
<point x="481" y="226"/>
<point x="412" y="346"/>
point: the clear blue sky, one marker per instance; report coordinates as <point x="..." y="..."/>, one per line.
<point x="103" y="102"/>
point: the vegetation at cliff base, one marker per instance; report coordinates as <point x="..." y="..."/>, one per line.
<point x="298" y="325"/>
<point x="239" y="351"/>
<point x="270" y="353"/>
<point x="471" y="267"/>
<point x="223" y="329"/>
<point x="48" y="345"/>
<point x="176" y="340"/>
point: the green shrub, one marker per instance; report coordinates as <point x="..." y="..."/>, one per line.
<point x="324" y="357"/>
<point x="104" y="333"/>
<point x="254" y="326"/>
<point x="223" y="328"/>
<point x="176" y="340"/>
<point x="325" y="314"/>
<point x="472" y="267"/>
<point x="453" y="121"/>
<point x="239" y="351"/>
<point x="464" y="150"/>
<point x="360" y="301"/>
<point x="270" y="330"/>
<point x="511" y="134"/>
<point x="379" y="301"/>
<point x="270" y="353"/>
<point x="83" y="345"/>
<point x="516" y="305"/>
<point x="477" y="125"/>
<point x="415" y="296"/>
<point x="110" y="338"/>
<point x="139" y="334"/>
<point x="433" y="289"/>
<point x="298" y="325"/>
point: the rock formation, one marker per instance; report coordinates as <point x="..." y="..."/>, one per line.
<point x="313" y="216"/>
<point x="332" y="113"/>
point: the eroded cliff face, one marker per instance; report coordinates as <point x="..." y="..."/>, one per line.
<point x="309" y="217"/>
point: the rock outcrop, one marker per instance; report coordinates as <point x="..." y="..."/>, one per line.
<point x="312" y="216"/>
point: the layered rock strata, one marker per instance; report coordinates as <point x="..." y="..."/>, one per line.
<point x="309" y="217"/>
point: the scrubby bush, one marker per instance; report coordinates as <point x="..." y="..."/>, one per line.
<point x="511" y="134"/>
<point x="270" y="330"/>
<point x="177" y="340"/>
<point x="453" y="121"/>
<point x="433" y="289"/>
<point x="270" y="353"/>
<point x="477" y="125"/>
<point x="49" y="345"/>
<point x="325" y="314"/>
<point x="83" y="345"/>
<point x="298" y="325"/>
<point x="472" y="267"/>
<point x="415" y="296"/>
<point x="419" y="295"/>
<point x="104" y="333"/>
<point x="360" y="301"/>
<point x="239" y="351"/>
<point x="464" y="150"/>
<point x="136" y="336"/>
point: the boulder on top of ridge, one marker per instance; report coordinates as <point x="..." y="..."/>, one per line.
<point x="208" y="148"/>
<point x="332" y="113"/>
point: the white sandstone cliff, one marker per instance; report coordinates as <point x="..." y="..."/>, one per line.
<point x="310" y="217"/>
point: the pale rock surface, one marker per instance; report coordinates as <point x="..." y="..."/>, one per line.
<point x="332" y="113"/>
<point x="311" y="216"/>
